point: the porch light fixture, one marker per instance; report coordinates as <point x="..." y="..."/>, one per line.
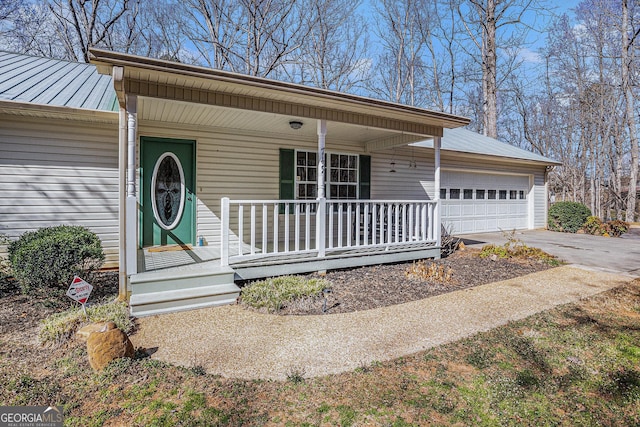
<point x="412" y="162"/>
<point x="393" y="166"/>
<point x="295" y="124"/>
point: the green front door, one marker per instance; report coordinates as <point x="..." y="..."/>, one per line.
<point x="167" y="191"/>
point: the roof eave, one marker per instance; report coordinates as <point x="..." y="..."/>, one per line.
<point x="105" y="60"/>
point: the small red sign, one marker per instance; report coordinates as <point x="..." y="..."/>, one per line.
<point x="79" y="290"/>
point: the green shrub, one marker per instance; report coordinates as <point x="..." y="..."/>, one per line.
<point x="568" y="216"/>
<point x="6" y="276"/>
<point x="275" y="293"/>
<point x="593" y="225"/>
<point x="50" y="257"/>
<point x="59" y="327"/>
<point x="616" y="228"/>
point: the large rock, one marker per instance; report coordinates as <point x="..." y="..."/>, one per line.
<point x="107" y="344"/>
<point x="83" y="333"/>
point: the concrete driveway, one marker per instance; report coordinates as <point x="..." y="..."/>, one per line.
<point x="619" y="255"/>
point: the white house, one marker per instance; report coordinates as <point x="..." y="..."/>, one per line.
<point x="194" y="177"/>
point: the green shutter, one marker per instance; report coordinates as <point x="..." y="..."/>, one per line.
<point x="287" y="176"/>
<point x="365" y="177"/>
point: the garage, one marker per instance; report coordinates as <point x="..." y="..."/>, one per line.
<point x="483" y="202"/>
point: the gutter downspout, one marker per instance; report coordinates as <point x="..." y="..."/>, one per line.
<point x="122" y="199"/>
<point x="118" y="84"/>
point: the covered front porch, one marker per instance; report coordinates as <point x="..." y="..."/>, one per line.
<point x="267" y="178"/>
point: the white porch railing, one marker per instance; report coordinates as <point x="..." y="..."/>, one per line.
<point x="280" y="227"/>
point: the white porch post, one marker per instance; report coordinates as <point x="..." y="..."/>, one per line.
<point x="436" y="182"/>
<point x="322" y="203"/>
<point x="122" y="199"/>
<point x="132" y="199"/>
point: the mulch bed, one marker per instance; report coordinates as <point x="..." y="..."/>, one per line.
<point x="365" y="288"/>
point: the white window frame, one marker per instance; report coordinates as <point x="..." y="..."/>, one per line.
<point x="328" y="181"/>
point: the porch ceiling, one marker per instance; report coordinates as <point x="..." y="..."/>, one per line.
<point x="156" y="110"/>
<point x="152" y="78"/>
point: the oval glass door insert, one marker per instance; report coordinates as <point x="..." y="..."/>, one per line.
<point x="167" y="187"/>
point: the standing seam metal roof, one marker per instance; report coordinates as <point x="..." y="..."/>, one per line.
<point x="465" y="141"/>
<point x="54" y="82"/>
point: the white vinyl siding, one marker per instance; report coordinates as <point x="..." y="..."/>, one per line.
<point x="60" y="172"/>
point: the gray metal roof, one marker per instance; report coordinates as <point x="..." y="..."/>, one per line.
<point x="465" y="141"/>
<point x="54" y="82"/>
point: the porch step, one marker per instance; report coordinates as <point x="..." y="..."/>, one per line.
<point x="181" y="289"/>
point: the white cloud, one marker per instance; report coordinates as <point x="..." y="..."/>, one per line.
<point x="528" y="55"/>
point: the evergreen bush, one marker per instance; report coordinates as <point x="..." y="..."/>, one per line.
<point x="568" y="216"/>
<point x="51" y="256"/>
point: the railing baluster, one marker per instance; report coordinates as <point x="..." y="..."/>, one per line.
<point x="367" y="206"/>
<point x="396" y="223"/>
<point x="404" y="222"/>
<point x="253" y="229"/>
<point x="264" y="228"/>
<point x="410" y="230"/>
<point x="330" y="229"/>
<point x="424" y="221"/>
<point x="349" y="224"/>
<point x="297" y="228"/>
<point x="374" y="223"/>
<point x="286" y="227"/>
<point x="307" y="226"/>
<point x="381" y="221"/>
<point x="339" y="225"/>
<point x="240" y="228"/>
<point x="276" y="220"/>
<point x="357" y="224"/>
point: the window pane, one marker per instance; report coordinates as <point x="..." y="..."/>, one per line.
<point x="301" y="158"/>
<point x="312" y="190"/>
<point x="479" y="194"/>
<point x="513" y="194"/>
<point x="467" y="194"/>
<point x="352" y="191"/>
<point x="344" y="161"/>
<point x="333" y="191"/>
<point x="302" y="191"/>
<point x="334" y="175"/>
<point x="311" y="159"/>
<point x="312" y="174"/>
<point x="352" y="176"/>
<point x="334" y="160"/>
<point x="302" y="174"/>
<point x="353" y="162"/>
<point x="503" y="195"/>
<point x="443" y="193"/>
<point x="491" y="194"/>
<point x="522" y="197"/>
<point x="454" y="193"/>
<point x="342" y="191"/>
<point x="344" y="175"/>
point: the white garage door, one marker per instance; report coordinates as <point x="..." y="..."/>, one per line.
<point x="477" y="202"/>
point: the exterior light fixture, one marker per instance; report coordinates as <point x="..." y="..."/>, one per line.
<point x="393" y="166"/>
<point x="295" y="124"/>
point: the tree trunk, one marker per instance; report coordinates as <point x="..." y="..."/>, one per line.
<point x="489" y="64"/>
<point x="629" y="113"/>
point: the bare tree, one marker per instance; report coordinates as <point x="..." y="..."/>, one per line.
<point x="626" y="65"/>
<point x="492" y="25"/>
<point x="82" y="24"/>
<point x="332" y="56"/>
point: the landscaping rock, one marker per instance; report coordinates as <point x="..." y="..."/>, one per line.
<point x="107" y="344"/>
<point x="83" y="333"/>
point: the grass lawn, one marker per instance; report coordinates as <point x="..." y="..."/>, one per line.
<point x="578" y="364"/>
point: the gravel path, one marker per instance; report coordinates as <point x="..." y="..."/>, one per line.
<point x="239" y="343"/>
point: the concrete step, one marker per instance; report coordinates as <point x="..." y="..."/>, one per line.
<point x="181" y="289"/>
